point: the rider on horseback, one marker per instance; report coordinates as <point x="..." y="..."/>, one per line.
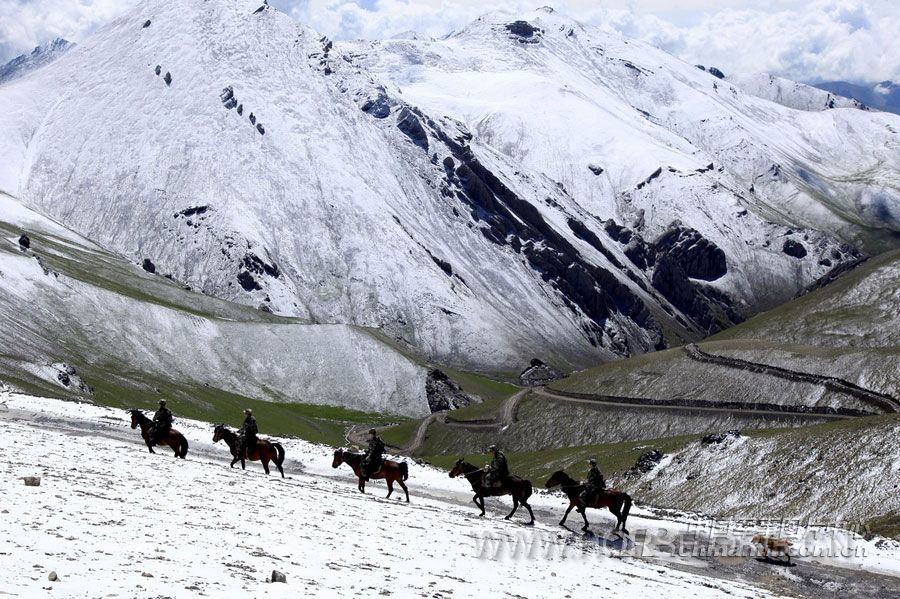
<point x="497" y="470"/>
<point x="247" y="433"/>
<point x="162" y="423"/>
<point x="372" y="459"/>
<point x="593" y="486"/>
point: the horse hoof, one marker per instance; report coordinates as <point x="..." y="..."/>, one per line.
<point x="506" y="518"/>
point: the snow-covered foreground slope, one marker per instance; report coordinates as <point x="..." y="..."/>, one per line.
<point x="481" y="200"/>
<point x="75" y="316"/>
<point x="109" y="518"/>
<point x="789" y="93"/>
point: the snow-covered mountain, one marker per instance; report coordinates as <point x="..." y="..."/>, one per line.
<point x="525" y="188"/>
<point x="790" y="93"/>
<point x="42" y="55"/>
<point x="883" y="95"/>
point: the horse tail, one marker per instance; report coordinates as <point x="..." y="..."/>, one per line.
<point x="404" y="470"/>
<point x="279" y="453"/>
<point x="183" y="449"/>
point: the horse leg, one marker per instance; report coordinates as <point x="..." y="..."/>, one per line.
<point x="618" y="514"/>
<point x="362" y="485"/>
<point x="515" y="507"/>
<point x="530" y="513"/>
<point x="478" y="505"/>
<point x="403" y="486"/>
<point x="584" y="515"/>
<point x="234" y="461"/>
<point x="265" y="462"/>
<point x="390" y="484"/>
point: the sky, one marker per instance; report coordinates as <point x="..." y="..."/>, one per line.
<point x="852" y="40"/>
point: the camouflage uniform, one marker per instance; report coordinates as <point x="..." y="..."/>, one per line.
<point x="247" y="435"/>
<point x="162" y="424"/>
<point x="372" y="459"/>
<point x="592" y="486"/>
<point x="497" y="470"/>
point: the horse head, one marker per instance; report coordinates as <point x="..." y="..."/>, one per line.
<point x="135" y="417"/>
<point x="557" y="478"/>
<point x="338" y="458"/>
<point x="219" y="432"/>
<point x="459" y="468"/>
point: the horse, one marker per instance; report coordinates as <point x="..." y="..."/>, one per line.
<point x="518" y="488"/>
<point x="390" y="471"/>
<point x="264" y="451"/>
<point x="173" y="438"/>
<point x="618" y="502"/>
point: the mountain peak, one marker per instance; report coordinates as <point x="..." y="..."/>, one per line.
<point x="40" y="56"/>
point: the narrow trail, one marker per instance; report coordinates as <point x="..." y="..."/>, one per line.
<point x="878" y="400"/>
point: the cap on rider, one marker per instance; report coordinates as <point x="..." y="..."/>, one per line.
<point x="592" y="462"/>
<point x="162" y="402"/>
<point x="492" y="449"/>
<point x="248" y="412"/>
<point x="372" y="431"/>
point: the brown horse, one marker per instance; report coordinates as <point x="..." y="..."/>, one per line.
<point x="173" y="438"/>
<point x="518" y="488"/>
<point x="264" y="451"/>
<point x="618" y="502"/>
<point x="392" y="472"/>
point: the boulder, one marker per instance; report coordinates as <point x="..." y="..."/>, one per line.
<point x="168" y="78"/>
<point x="539" y="373"/>
<point x="794" y="248"/>
<point x="697" y="256"/>
<point x="146" y="24"/>
<point x="522" y="29"/>
<point x="718" y="438"/>
<point x="377" y="107"/>
<point x="24" y="242"/>
<point x="32" y="481"/>
<point x="647" y="462"/>
<point x="148" y="266"/>
<point x="444" y="394"/>
<point x="278" y="577"/>
<point x="410" y="125"/>
<point x="53" y="576"/>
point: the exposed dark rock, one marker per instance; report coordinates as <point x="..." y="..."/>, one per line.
<point x="240" y="109"/>
<point x="410" y="125"/>
<point x="636" y="251"/>
<point x="252" y="119"/>
<point x="647" y="462"/>
<point x="652" y="176"/>
<point x="697" y="256"/>
<point x="64" y="378"/>
<point x="617" y="232"/>
<point x="192" y="211"/>
<point x="260" y="9"/>
<point x="247" y="281"/>
<point x="260" y="128"/>
<point x="597" y="293"/>
<point x="276" y="575"/>
<point x="255" y="264"/>
<point x="717" y="438"/>
<point x="794" y="248"/>
<point x="146" y="24"/>
<point x="444" y="394"/>
<point x="445" y="266"/>
<point x="597" y="170"/>
<point x="24" y="242"/>
<point x="168" y="78"/>
<point x="708" y="307"/>
<point x="158" y="70"/>
<point x="523" y="29"/>
<point x="715" y="72"/>
<point x="148" y="266"/>
<point x="227" y="97"/>
<point x="539" y="373"/>
<point x="582" y="232"/>
<point x="378" y="107"/>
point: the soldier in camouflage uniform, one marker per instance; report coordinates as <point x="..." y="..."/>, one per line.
<point x="592" y="486"/>
<point x="498" y="469"/>
<point x="162" y="423"/>
<point x="372" y="459"/>
<point x="247" y="433"/>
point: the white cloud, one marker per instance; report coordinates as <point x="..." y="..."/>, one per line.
<point x="823" y="39"/>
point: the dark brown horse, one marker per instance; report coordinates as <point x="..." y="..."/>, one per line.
<point x="264" y="451"/>
<point x="391" y="471"/>
<point x="618" y="502"/>
<point x="173" y="438"/>
<point x="518" y="488"/>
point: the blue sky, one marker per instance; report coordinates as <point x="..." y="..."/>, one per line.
<point x="853" y="40"/>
